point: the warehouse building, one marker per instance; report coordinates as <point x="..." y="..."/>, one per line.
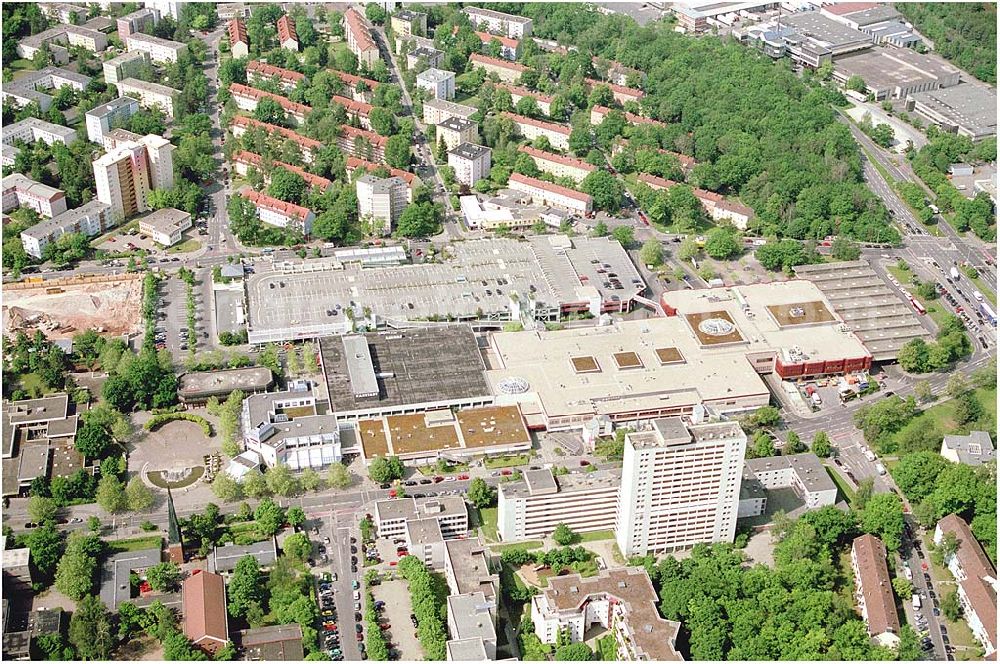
<point x="968" y="109"/>
<point x="893" y="73"/>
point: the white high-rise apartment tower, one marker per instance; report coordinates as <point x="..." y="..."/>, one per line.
<point x="680" y="486"/>
<point x="125" y="175"/>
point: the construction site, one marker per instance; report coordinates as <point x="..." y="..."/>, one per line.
<point x="62" y="308"/>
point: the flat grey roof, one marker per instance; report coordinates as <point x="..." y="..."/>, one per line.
<point x="457" y="123"/>
<point x="470" y="151"/>
<point x="972" y="106"/>
<point x="540" y="481"/>
<point x="423" y="531"/>
<point x="884" y="67"/>
<point x="115" y="587"/>
<point x="410" y="367"/>
<point x="469" y="560"/>
<point x="435" y="75"/>
<point x="34" y="462"/>
<point x="395" y="509"/>
<point x="472" y="616"/>
<point x="467" y="650"/>
<point x="224" y="558"/>
<point x="360" y="367"/>
<point x="226" y="380"/>
<point x="104" y="109"/>
<point x="28" y="411"/>
<point x="823" y="30"/>
<point x="806" y="466"/>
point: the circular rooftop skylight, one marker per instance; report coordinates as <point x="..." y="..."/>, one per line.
<point x="716" y="327"/>
<point x="512" y="385"/>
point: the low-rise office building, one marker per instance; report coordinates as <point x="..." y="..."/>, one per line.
<point x="278" y="213"/>
<point x="104" y="118"/>
<point x="976" y="577"/>
<point x="125" y="65"/>
<point x="247" y="98"/>
<point x="557" y="164"/>
<point x="456" y="130"/>
<point x="547" y="193"/>
<point x="557" y="134"/>
<point x="471" y="163"/>
<point x="622" y="601"/>
<point x="150" y="95"/>
<point x="438" y="82"/>
<point x="286" y="428"/>
<point x="91" y="219"/>
<point x="21" y="191"/>
<point x="873" y="590"/>
<point x="165" y="226"/>
<point x="30" y="130"/>
<point x="450" y="512"/>
<point x="273" y="643"/>
<point x="160" y="50"/>
<point x="473" y="616"/>
<point x="972" y="450"/>
<point x="288" y="79"/>
<point x="534" y="506"/>
<point x="509" y="72"/>
<point x="437" y="111"/>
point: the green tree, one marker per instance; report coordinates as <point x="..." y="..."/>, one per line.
<point x="295" y="516"/>
<point x="138" y="496"/>
<point x="397" y="151"/>
<point x="419" y="220"/>
<point x="723" y="243"/>
<point x="574" y="652"/>
<point x="287" y="186"/>
<point x="651" y="253"/>
<point x="605" y="189"/>
<point x="90" y="629"/>
<point x="563" y="535"/>
<point x="916" y="474"/>
<point x="226" y="488"/>
<point x="625" y="236"/>
<point x="42" y="509"/>
<point x="298" y="546"/>
<point x="794" y="444"/>
<point x="164" y="576"/>
<point x="902" y="586"/>
<point x="951" y="607"/>
<point x="281" y="481"/>
<point x="46" y="546"/>
<point x="338" y="476"/>
<point x="270" y="111"/>
<point x="821" y="445"/>
<point x="384" y="470"/>
<point x="111" y="494"/>
<point x="480" y="493"/>
<point x="883" y="516"/>
<point x="75" y="572"/>
<point x="270" y="517"/>
<point x="246" y="587"/>
<point x="254" y="486"/>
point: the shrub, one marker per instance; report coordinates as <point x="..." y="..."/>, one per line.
<point x="156" y="421"/>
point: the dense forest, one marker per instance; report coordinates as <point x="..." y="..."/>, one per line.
<point x="963" y="32"/>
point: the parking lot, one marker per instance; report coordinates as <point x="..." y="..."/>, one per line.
<point x="171" y="324"/>
<point x="396" y="613"/>
<point x="126" y="241"/>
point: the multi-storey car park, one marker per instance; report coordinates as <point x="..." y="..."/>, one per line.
<point x="494" y="280"/>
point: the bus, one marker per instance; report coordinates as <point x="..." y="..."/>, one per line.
<point x="919" y="307"/>
<point x="988" y="312"/>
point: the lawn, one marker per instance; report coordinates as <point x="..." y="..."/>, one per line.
<point x="190" y="244"/>
<point x="606" y="649"/>
<point x="137" y="544"/>
<point x="934" y="308"/>
<point x="942" y="416"/>
<point x="596" y="536"/>
<point x="487" y="518"/>
<point x="33" y="384"/>
<point x="517" y="546"/>
<point x="508" y="461"/>
<point x="451" y="468"/>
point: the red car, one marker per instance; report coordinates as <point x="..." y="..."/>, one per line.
<point x="463" y="477"/>
<point x="360" y="637"/>
<point x="392" y="493"/>
<point x="438" y="479"/>
<point x="584" y="462"/>
<point x="506" y="471"/>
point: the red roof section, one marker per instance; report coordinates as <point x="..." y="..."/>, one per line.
<point x="549" y="186"/>
<point x="286" y="29"/>
<point x="548" y="126"/>
<point x="630" y="117"/>
<point x="351" y="106"/>
<point x="486" y="38"/>
<point x="358" y="27"/>
<point x="557" y="158"/>
<point x="701" y="194"/>
<point x="656" y="182"/>
<point x="302" y="141"/>
<point x="352" y="80"/>
<point x="354" y="163"/>
<point x="524" y="92"/>
<point x="620" y="89"/>
<point x="271" y="203"/>
<point x="373" y="138"/>
<point x="204" y="600"/>
<point x="253" y="93"/>
<point x="265" y="69"/>
<point x="237" y="32"/>
<point x="256" y="160"/>
<point x="479" y="58"/>
<point x="977" y="566"/>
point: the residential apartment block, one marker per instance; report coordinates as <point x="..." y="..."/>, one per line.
<point x="65" y="13"/>
<point x="438" y="82"/>
<point x="29" y="87"/>
<point x="471" y="163"/>
<point x="354" y="163"/>
<point x="352" y="81"/>
<point x="30" y="130"/>
<point x="873" y="590"/>
<point x="125" y="175"/>
<point x="510" y="48"/>
<point x="357" y="111"/>
<point x="91" y="219"/>
<point x="509" y="72"/>
<point x="557" y="164"/>
<point x="534" y="506"/>
<point x="150" y="95"/>
<point x="243" y="161"/>
<point x="58" y="38"/>
<point x="717" y="207"/>
<point x="405" y="23"/>
<point x="307" y="146"/>
<point x="473" y="616"/>
<point x="680" y="486"/>
<point x="239" y="42"/>
<point x="125" y="65"/>
<point x="531" y="129"/>
<point x="803" y="473"/>
<point x="620" y="93"/>
<point x="431" y="56"/>
<point x="437" y="111"/>
<point x="361" y="143"/>
<point x="381" y="200"/>
<point x="279" y="213"/>
<point x="359" y="38"/>
<point x="450" y="512"/>
<point x="972" y="450"/>
<point x="547" y="193"/>
<point x="622" y="601"/>
<point x="977" y="580"/>
<point x="288" y="79"/>
<point x="247" y="98"/>
<point x="104" y="118"/>
<point x="518" y="93"/>
<point x="287" y="36"/>
<point x="160" y="50"/>
<point x="598" y="113"/>
<point x="515" y="27"/>
<point x="21" y="191"/>
<point x="457" y="130"/>
<point x="141" y="20"/>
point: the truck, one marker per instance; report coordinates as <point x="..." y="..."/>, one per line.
<point x="816" y="399"/>
<point x="988" y="313"/>
<point x="954" y="273"/>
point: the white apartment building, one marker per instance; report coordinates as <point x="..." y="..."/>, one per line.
<point x="557" y="164"/>
<point x="518" y="93"/>
<point x="65" y="13"/>
<point x="622" y="601"/>
<point x="450" y="511"/>
<point x="91" y="219"/>
<point x="287" y="36"/>
<point x="431" y="56"/>
<point x="288" y="79"/>
<point x="359" y="38"/>
<point x="125" y="65"/>
<point x="509" y="25"/>
<point x="531" y="129"/>
<point x="680" y="486"/>
<point x="873" y="590"/>
<point x="279" y="213"/>
<point x="456" y="130"/>
<point x="160" y="50"/>
<point x="171" y="8"/>
<point x="30" y="130"/>
<point x="546" y="193"/>
<point x="425" y="541"/>
<point x="141" y="20"/>
<point x="28" y="88"/>
<point x="437" y="111"/>
<point x="125" y="175"/>
<point x="977" y="580"/>
<point x="533" y="507"/>
<point x="150" y="95"/>
<point x="439" y="82"/>
<point x="405" y="23"/>
<point x="803" y="473"/>
<point x="382" y="200"/>
<point x="21" y="191"/>
<point x="165" y="226"/>
<point x="57" y="38"/>
<point x="104" y="118"/>
<point x="471" y="163"/>
<point x="247" y="98"/>
<point x="239" y="43"/>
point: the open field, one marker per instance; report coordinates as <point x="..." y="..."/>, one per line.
<point x="63" y="308"/>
